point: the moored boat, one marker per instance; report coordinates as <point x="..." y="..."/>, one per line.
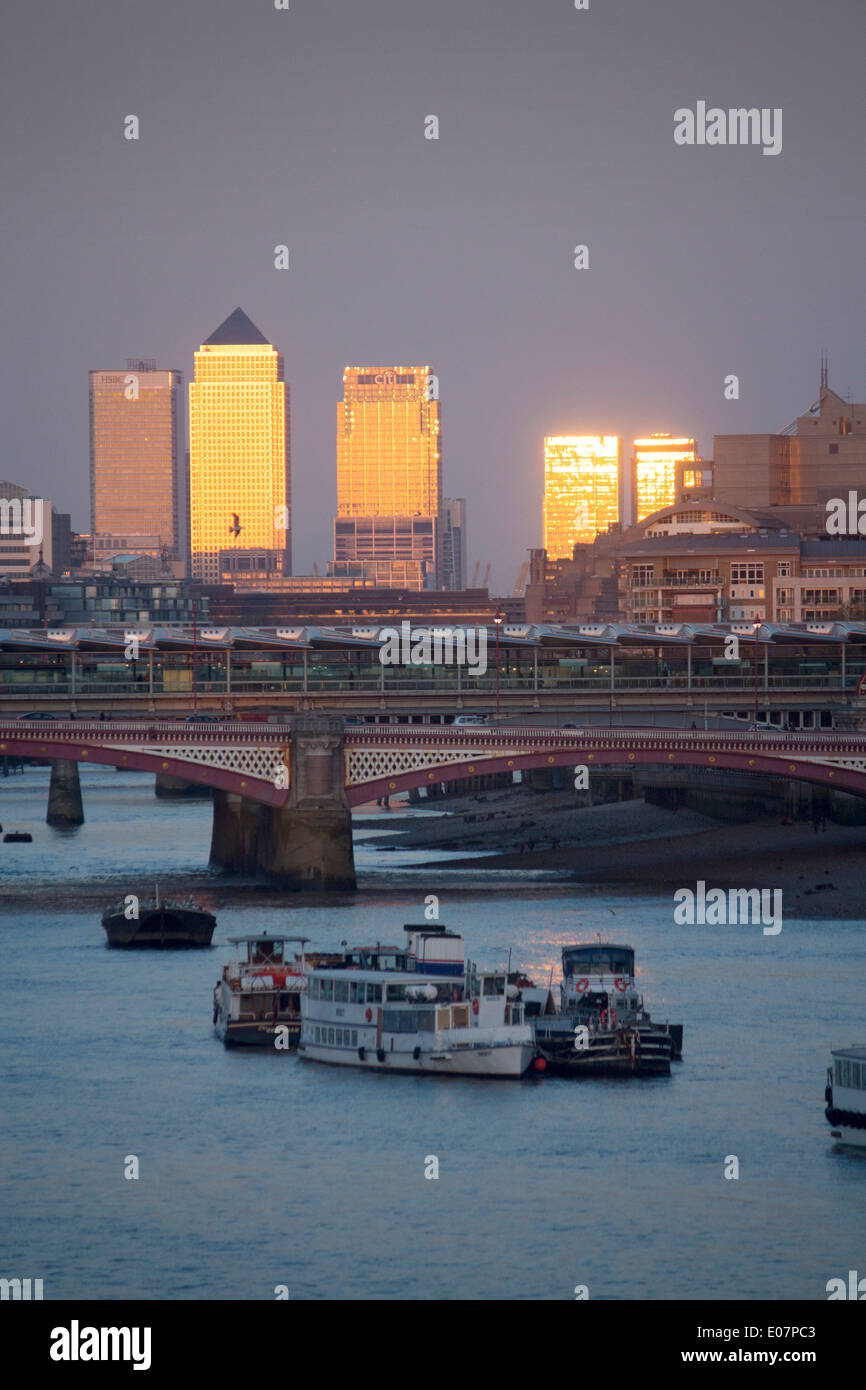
<point x="602" y="1027"/>
<point x="158" y="925"/>
<point x="257" y="999"/>
<point x="845" y="1095"/>
<point x="417" y="1007"/>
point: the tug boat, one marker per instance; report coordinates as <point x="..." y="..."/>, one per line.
<point x="257" y="999"/>
<point x="159" y="925"/>
<point x="602" y="1028"/>
<point x="845" y="1094"/>
<point x="417" y="1007"/>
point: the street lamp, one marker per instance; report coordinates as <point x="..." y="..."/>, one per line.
<point x="757" y="628"/>
<point x="498" y="620"/>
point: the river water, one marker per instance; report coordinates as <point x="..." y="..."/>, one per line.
<point x="257" y="1170"/>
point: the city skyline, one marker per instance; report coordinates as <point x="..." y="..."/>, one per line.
<point x="464" y="251"/>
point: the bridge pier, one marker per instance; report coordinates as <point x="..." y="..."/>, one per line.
<point x="236" y="834"/>
<point x="307" y="842"/>
<point x="65" y="807"/>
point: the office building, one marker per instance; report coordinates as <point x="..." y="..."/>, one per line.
<point x="819" y="456"/>
<point x="135" y="427"/>
<point x="581" y="490"/>
<point x="239" y="461"/>
<point x="660" y="465"/>
<point x="389" y="472"/>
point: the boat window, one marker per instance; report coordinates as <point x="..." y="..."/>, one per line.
<point x="314" y="988"/>
<point x="408" y="1020"/>
<point x="330" y="1035"/>
<point x="374" y="994"/>
<point x="493" y="985"/>
<point x="598" y="960"/>
<point x="356" y="992"/>
<point x="396" y="992"/>
<point x="327" y="989"/>
<point x="354" y="1037"/>
<point x="341" y="991"/>
<point x="450" y="993"/>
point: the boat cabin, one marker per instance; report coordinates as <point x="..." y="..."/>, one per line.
<point x="598" y="978"/>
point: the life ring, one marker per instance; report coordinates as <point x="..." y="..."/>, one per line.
<point x="475" y="1006"/>
<point x="369" y="1015"/>
<point x="582" y="985"/>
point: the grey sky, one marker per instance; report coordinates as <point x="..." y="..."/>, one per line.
<point x="556" y="127"/>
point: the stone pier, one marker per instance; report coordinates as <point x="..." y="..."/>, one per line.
<point x="306" y="844"/>
<point x="238" y="826"/>
<point x="65" y="807"/>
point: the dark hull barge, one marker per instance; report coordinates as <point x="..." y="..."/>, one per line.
<point x="163" y="926"/>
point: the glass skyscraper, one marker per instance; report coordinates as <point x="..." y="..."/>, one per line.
<point x="239" y="460"/>
<point x="389" y="474"/>
<point x="655" y="467"/>
<point x="581" y="490"/>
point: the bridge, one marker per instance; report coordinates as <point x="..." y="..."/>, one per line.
<point x="283" y="793"/>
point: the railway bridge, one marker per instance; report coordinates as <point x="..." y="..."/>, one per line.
<point x="283" y="793"/>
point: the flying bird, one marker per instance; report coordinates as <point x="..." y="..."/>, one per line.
<point x="235" y="528"/>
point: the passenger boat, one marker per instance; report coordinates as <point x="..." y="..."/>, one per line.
<point x="845" y="1095"/>
<point x="257" y="999"/>
<point x="602" y="1027"/>
<point x="158" y="925"/>
<point x="418" y="1007"/>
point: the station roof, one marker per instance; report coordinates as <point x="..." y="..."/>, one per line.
<point x="158" y="637"/>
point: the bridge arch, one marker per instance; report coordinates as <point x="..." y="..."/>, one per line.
<point x="791" y="768"/>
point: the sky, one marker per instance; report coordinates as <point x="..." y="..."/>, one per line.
<point x="306" y="127"/>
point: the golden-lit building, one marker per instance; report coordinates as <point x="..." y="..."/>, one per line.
<point x="135" y="426"/>
<point x="656" y="466"/>
<point x="239" y="459"/>
<point x="581" y="490"/>
<point x="389" y="471"/>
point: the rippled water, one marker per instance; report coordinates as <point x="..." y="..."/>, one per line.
<point x="259" y="1170"/>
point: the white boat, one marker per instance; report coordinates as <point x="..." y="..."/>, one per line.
<point x="419" y="1007"/>
<point x="256" y="1000"/>
<point x="845" y="1095"/>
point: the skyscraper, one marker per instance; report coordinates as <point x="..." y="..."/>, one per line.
<point x="135" y="427"/>
<point x="581" y="490"/>
<point x="655" y="466"/>
<point x="389" y="475"/>
<point x="239" y="461"/>
<point x="454" y="543"/>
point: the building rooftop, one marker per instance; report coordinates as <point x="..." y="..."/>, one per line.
<point x="236" y="330"/>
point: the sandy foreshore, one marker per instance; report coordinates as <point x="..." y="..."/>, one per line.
<point x="633" y="847"/>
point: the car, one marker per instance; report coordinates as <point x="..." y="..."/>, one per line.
<point x="470" y="719"/>
<point x="201" y="719"/>
<point x="33" y="715"/>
